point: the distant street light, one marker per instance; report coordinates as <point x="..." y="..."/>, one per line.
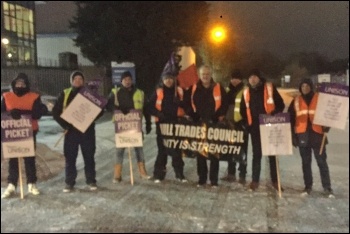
<point x="218" y="34"/>
<point x="5" y="41"/>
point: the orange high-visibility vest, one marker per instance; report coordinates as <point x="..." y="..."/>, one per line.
<point x="304" y="112"/>
<point x="160" y="97"/>
<point x="216" y="95"/>
<point x="24" y="102"/>
<point x="269" y="103"/>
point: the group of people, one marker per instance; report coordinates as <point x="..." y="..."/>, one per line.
<point x="204" y="102"/>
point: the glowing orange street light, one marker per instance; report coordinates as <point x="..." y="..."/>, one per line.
<point x="218" y="34"/>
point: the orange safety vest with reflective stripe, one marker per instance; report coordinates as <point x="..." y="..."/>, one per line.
<point x="269" y="103"/>
<point x="216" y="95"/>
<point x="160" y="96"/>
<point x="24" y="102"/>
<point x="303" y="112"/>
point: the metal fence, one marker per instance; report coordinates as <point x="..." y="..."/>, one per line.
<point x="45" y="81"/>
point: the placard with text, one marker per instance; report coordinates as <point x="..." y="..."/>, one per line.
<point x="275" y="134"/>
<point x="332" y="107"/>
<point x="83" y="109"/>
<point x="17" y="136"/>
<point x="128" y="129"/>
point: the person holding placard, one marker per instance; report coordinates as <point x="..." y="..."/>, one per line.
<point x="126" y="98"/>
<point x="166" y="104"/>
<point x="309" y="137"/>
<point x="234" y="97"/>
<point x="260" y="97"/>
<point x="74" y="138"/>
<point x="21" y="101"/>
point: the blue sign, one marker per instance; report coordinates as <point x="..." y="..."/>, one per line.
<point x="119" y="68"/>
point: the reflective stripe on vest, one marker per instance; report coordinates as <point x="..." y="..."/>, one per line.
<point x="216" y="95"/>
<point x="303" y="112"/>
<point x="269" y="103"/>
<point x="66" y="95"/>
<point x="160" y="97"/>
<point x="237" y="107"/>
<point x="25" y="102"/>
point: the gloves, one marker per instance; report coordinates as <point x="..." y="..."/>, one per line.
<point x="148" y="128"/>
<point x="295" y="140"/>
<point x="69" y="127"/>
<point x="325" y="129"/>
<point x="15" y="114"/>
<point x="125" y="110"/>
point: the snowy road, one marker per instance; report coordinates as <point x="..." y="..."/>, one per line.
<point x="175" y="207"/>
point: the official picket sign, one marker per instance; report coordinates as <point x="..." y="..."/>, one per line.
<point x="275" y="134"/>
<point x="224" y="141"/>
<point x="83" y="109"/>
<point x="332" y="107"/>
<point x="17" y="136"/>
<point x="128" y="129"/>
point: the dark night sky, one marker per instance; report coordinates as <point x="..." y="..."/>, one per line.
<point x="276" y="26"/>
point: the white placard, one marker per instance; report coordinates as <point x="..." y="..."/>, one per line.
<point x="324" y="78"/>
<point x="332" y="107"/>
<point x="81" y="112"/>
<point x="276" y="135"/>
<point x="128" y="129"/>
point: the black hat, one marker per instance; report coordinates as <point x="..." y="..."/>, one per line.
<point x="256" y="72"/>
<point x="76" y="73"/>
<point x="125" y="74"/>
<point x="20" y="76"/>
<point x="236" y="74"/>
<point x="306" y="81"/>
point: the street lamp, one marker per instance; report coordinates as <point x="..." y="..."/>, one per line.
<point x="218" y="34"/>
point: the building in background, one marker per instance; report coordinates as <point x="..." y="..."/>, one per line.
<point x="18" y="38"/>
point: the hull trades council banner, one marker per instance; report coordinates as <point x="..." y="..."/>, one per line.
<point x="17" y="136"/>
<point x="275" y="134"/>
<point x="332" y="107"/>
<point x="128" y="129"/>
<point x="222" y="140"/>
<point x="83" y="109"/>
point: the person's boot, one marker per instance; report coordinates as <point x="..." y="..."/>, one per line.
<point x="179" y="174"/>
<point x="242" y="180"/>
<point x="33" y="189"/>
<point x="117" y="173"/>
<point x="253" y="186"/>
<point x="275" y="186"/>
<point x="10" y="190"/>
<point x="142" y="170"/>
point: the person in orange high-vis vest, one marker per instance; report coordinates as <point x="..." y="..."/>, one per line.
<point x="166" y="106"/>
<point x="17" y="102"/>
<point x="206" y="102"/>
<point x="308" y="136"/>
<point x="260" y="97"/>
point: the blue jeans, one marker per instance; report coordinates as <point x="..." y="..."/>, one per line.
<point x="138" y="151"/>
